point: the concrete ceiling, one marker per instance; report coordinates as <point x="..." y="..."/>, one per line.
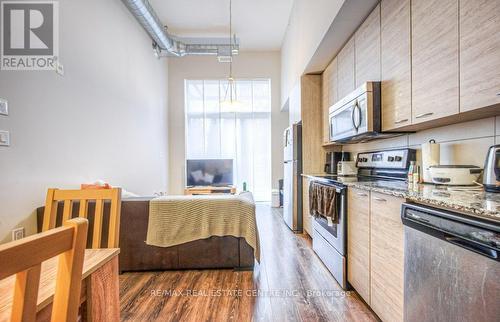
<point x="259" y="24"/>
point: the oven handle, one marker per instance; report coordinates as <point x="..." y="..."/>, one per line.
<point x="337" y="189"/>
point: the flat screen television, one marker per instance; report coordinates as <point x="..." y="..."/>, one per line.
<point x="209" y="172"/>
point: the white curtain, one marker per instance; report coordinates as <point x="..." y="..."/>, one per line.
<point x="241" y="133"/>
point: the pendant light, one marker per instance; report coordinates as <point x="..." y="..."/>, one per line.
<point x="230" y="101"/>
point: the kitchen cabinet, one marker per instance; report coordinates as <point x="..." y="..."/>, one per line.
<point x="358" y="241"/>
<point x="330" y="97"/>
<point x="435" y="73"/>
<point x="313" y="155"/>
<point x="346" y="73"/>
<point x="306" y="215"/>
<point x="367" y="49"/>
<point x="479" y="54"/>
<point x="386" y="257"/>
<point x="395" y="63"/>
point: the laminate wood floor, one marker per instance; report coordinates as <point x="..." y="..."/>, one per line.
<point x="290" y="284"/>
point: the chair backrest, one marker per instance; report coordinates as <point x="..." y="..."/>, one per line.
<point x="24" y="258"/>
<point x="54" y="196"/>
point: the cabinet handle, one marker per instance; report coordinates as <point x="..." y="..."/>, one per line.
<point x="401" y="121"/>
<point x="362" y="194"/>
<point x="379" y="199"/>
<point x="424" y="115"/>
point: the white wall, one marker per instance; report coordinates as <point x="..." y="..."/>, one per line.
<point x="309" y="21"/>
<point x="462" y="143"/>
<point x="246" y="65"/>
<point x="106" y="118"/>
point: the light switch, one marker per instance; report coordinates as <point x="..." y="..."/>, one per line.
<point x="4" y="107"/>
<point x="4" y="138"/>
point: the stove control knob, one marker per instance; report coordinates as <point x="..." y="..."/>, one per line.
<point x="398" y="158"/>
<point x="365" y="160"/>
<point x="390" y="159"/>
<point x="360" y="159"/>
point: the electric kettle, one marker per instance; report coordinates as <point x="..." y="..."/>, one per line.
<point x="491" y="175"/>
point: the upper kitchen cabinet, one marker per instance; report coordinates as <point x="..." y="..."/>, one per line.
<point x="395" y="63"/>
<point x="346" y="73"/>
<point x="367" y="49"/>
<point x="330" y="97"/>
<point x="435" y="78"/>
<point x="479" y="54"/>
<point x="313" y="155"/>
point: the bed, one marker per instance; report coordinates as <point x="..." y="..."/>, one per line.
<point x="136" y="255"/>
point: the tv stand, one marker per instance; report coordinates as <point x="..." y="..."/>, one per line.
<point x="209" y="190"/>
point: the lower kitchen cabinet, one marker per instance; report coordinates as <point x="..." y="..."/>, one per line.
<point x="358" y="242"/>
<point x="386" y="257"/>
<point x="306" y="216"/>
<point x="375" y="251"/>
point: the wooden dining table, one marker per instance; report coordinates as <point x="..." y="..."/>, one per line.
<point x="99" y="293"/>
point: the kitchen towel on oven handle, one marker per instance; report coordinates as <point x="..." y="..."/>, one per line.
<point x="323" y="201"/>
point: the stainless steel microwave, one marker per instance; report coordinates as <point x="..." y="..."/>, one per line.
<point x="356" y="117"/>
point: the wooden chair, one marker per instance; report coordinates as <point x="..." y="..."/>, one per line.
<point x="24" y="258"/>
<point x="54" y="196"/>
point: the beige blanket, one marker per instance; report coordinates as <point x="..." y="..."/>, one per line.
<point x="175" y="220"/>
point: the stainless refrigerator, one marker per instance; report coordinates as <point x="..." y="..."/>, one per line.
<point x="292" y="183"/>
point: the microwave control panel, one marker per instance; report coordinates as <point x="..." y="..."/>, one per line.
<point x="391" y="159"/>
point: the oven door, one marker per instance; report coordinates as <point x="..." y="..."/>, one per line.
<point x="349" y="120"/>
<point x="335" y="234"/>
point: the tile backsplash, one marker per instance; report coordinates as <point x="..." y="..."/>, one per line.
<point x="462" y="143"/>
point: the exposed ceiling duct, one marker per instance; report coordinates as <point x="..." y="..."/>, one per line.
<point x="168" y="45"/>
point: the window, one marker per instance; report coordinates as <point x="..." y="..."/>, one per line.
<point x="242" y="134"/>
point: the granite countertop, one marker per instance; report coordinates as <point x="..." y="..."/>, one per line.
<point x="472" y="202"/>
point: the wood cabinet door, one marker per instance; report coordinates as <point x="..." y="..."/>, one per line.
<point x="306" y="214"/>
<point x="386" y="257"/>
<point x="346" y="74"/>
<point x="395" y="63"/>
<point x="358" y="242"/>
<point x="367" y="49"/>
<point x="329" y="92"/>
<point x="434" y="59"/>
<point x="479" y="54"/>
<point x="313" y="154"/>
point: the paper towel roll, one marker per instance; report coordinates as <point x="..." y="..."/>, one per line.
<point x="430" y="157"/>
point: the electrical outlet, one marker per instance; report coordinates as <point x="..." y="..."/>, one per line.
<point x="4" y="138"/>
<point x="4" y="107"/>
<point x="18" y="233"/>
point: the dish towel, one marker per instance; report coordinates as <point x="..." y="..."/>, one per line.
<point x="323" y="201"/>
<point x="175" y="220"/>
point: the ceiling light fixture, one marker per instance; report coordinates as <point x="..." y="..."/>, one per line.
<point x="230" y="101"/>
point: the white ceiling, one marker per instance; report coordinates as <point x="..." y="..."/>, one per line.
<point x="259" y="24"/>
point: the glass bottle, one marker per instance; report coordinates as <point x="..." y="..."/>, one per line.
<point x="410" y="172"/>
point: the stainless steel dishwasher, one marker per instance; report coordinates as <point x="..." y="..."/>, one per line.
<point x="452" y="267"/>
